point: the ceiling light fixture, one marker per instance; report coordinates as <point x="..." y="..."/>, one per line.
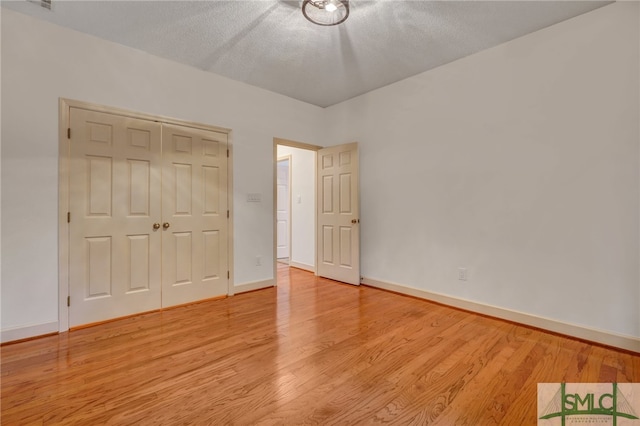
<point x="326" y="12"/>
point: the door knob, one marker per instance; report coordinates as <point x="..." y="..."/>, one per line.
<point x="156" y="226"/>
<point x="355" y="220"/>
<point x="166" y="225"/>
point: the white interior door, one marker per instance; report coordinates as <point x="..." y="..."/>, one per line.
<point x="338" y="209"/>
<point x="194" y="214"/>
<point x="114" y="193"/>
<point x="283" y="208"/>
<point x="148" y="215"/>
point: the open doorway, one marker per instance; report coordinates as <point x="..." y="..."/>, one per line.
<point x="295" y="206"/>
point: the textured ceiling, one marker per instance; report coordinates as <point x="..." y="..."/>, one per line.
<point x="269" y="43"/>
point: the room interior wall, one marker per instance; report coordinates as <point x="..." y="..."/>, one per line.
<point x="42" y="62"/>
<point x="519" y="163"/>
<point x="302" y="206"/>
<point x="0" y="172"/>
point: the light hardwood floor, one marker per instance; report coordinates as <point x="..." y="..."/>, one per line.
<point x="310" y="351"/>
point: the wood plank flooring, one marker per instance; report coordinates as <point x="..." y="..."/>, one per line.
<point x="311" y="351"/>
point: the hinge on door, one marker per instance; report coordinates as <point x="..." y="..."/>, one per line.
<point x="68" y="300"/>
<point x="227" y="214"/>
<point x="68" y="132"/>
<point x="228" y="275"/>
<point x="227" y="153"/>
<point x="68" y="217"/>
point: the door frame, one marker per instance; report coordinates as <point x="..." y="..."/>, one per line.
<point x="288" y="158"/>
<point x="64" y="107"/>
<point x="299" y="145"/>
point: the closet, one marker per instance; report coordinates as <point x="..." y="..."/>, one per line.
<point x="148" y="215"/>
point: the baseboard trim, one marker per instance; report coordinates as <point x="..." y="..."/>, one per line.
<point x="28" y="332"/>
<point x="607" y="338"/>
<point x="303" y="266"/>
<point x="255" y="285"/>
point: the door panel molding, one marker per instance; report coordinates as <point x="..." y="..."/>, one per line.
<point x="337" y="211"/>
<point x="136" y="140"/>
<point x="194" y="161"/>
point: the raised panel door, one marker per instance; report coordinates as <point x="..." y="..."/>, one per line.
<point x="114" y="193"/>
<point x="283" y="213"/>
<point x="194" y="214"/>
<point x="338" y="236"/>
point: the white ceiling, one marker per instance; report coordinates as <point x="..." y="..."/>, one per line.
<point x="269" y="44"/>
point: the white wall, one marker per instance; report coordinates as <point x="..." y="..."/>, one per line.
<point x="303" y="166"/>
<point x="42" y="62"/>
<point x="0" y="172"/>
<point x="520" y="163"/>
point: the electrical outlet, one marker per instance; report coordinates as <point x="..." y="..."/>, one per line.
<point x="462" y="274"/>
<point x="258" y="260"/>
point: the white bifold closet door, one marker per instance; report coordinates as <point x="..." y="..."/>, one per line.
<point x="148" y="215"/>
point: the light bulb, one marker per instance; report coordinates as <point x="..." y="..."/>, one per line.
<point x="331" y="7"/>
